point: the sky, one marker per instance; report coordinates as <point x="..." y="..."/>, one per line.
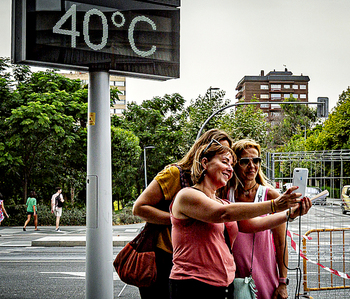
<point x="221" y="41"/>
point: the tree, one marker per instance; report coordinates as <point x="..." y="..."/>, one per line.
<point x="336" y="129"/>
<point x="125" y="158"/>
<point x="155" y="122"/>
<point x="293" y="119"/>
<point x="42" y="120"/>
<point x="199" y="111"/>
<point x="247" y="121"/>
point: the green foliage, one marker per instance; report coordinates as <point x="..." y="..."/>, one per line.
<point x="247" y="122"/>
<point x="42" y="129"/>
<point x="125" y="216"/>
<point x="155" y="122"/>
<point x="336" y="129"/>
<point x="125" y="161"/>
<point x="294" y="120"/>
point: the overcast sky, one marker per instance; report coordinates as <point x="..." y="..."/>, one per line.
<point x="223" y="40"/>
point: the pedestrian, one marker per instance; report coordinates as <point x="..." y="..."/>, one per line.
<point x="153" y="206"/>
<point x="56" y="206"/>
<point x="203" y="264"/>
<point x="31" y="210"/>
<point x="2" y="209"/>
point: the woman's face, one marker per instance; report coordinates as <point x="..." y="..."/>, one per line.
<point x="220" y="169"/>
<point x="248" y="171"/>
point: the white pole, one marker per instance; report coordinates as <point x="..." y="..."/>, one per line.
<point x="99" y="237"/>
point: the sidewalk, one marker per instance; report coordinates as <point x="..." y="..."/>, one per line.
<point x="68" y="237"/>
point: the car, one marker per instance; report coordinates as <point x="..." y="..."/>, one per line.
<point x="345" y="199"/>
<point x="312" y="192"/>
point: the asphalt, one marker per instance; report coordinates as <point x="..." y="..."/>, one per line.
<point x="69" y="236"/>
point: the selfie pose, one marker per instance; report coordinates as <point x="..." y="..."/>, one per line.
<point x="203" y="264"/>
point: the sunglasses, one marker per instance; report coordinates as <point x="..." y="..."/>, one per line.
<point x="209" y="145"/>
<point x="245" y="161"/>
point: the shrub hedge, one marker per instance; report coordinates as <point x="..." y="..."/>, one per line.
<point x="70" y="216"/>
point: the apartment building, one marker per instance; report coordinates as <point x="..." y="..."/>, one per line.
<point x="276" y="86"/>
<point x="114" y="81"/>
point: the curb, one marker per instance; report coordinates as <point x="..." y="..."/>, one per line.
<point x="67" y="241"/>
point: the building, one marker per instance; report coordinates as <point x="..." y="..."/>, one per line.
<point x="114" y="81"/>
<point x="276" y="86"/>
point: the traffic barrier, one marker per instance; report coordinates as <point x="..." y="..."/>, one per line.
<point x="332" y="248"/>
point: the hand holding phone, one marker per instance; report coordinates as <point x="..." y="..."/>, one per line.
<point x="300" y="176"/>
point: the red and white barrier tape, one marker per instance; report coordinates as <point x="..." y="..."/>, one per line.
<point x="297" y="249"/>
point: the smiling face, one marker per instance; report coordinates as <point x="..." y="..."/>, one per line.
<point x="220" y="169"/>
<point x="248" y="172"/>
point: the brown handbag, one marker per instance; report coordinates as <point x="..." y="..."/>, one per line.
<point x="136" y="262"/>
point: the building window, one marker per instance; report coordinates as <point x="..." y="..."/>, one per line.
<point x="117" y="83"/>
<point x="302" y="86"/>
<point x="295" y="86"/>
<point x="275" y="113"/>
<point x="275" y="106"/>
<point x="286" y="86"/>
<point x="275" y="96"/>
<point x="286" y="96"/>
<point x="264" y="96"/>
<point x="265" y="106"/>
<point x="275" y="86"/>
<point x="303" y="96"/>
<point x="264" y="86"/>
<point x="120" y="102"/>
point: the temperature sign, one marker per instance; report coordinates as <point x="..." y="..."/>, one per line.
<point x="132" y="38"/>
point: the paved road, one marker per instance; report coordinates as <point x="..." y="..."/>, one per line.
<point x="39" y="271"/>
<point x="32" y="266"/>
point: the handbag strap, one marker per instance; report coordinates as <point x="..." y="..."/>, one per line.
<point x="227" y="241"/>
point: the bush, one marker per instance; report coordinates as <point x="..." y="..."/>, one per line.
<point x="125" y="216"/>
<point x="70" y="216"/>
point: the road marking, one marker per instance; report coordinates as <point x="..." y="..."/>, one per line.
<point x="74" y="275"/>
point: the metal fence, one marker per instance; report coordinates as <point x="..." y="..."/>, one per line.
<point x="327" y="169"/>
<point x="330" y="248"/>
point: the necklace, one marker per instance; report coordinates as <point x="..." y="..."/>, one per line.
<point x="246" y="192"/>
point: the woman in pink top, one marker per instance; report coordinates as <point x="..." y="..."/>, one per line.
<point x="203" y="265"/>
<point x="269" y="271"/>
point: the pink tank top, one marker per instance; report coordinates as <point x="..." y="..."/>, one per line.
<point x="200" y="251"/>
<point x="265" y="271"/>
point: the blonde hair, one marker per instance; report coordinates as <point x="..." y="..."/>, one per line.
<point x="238" y="147"/>
<point x="186" y="162"/>
<point x="197" y="170"/>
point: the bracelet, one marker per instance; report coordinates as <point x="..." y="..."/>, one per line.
<point x="288" y="218"/>
<point x="273" y="208"/>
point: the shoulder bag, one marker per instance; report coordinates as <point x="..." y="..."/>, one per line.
<point x="136" y="262"/>
<point x="243" y="288"/>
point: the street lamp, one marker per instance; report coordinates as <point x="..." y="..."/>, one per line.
<point x="145" y="162"/>
<point x="212" y="88"/>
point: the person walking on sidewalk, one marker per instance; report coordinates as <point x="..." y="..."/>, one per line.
<point x="2" y="209"/>
<point x="31" y="210"/>
<point x="56" y="206"/>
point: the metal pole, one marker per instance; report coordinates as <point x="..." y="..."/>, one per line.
<point x="145" y="162"/>
<point x="99" y="237"/>
<point x="145" y="166"/>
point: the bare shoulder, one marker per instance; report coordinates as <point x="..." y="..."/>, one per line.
<point x="272" y="194"/>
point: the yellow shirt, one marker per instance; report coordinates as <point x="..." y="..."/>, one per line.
<point x="170" y="183"/>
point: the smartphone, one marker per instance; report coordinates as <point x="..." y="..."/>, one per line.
<point x="300" y="176"/>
